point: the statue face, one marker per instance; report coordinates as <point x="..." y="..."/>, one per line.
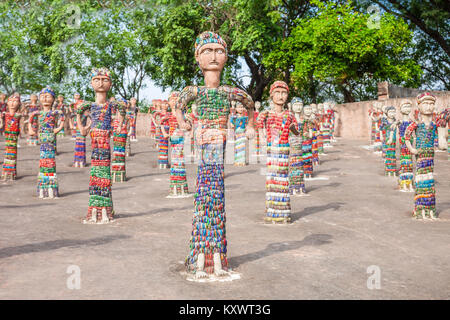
<point x="101" y="83"/>
<point x="133" y="101"/>
<point x="165" y="106"/>
<point x="314" y="108"/>
<point x="307" y="110"/>
<point x="426" y="107"/>
<point x="14" y="104"/>
<point x="240" y="108"/>
<point x="33" y="98"/>
<point x="2" y="97"/>
<point x="60" y="99"/>
<point x="76" y="97"/>
<point x="297" y="107"/>
<point x="391" y="114"/>
<point x="279" y="96"/>
<point x="211" y="57"/>
<point x="46" y="99"/>
<point x="257" y="105"/>
<point x="320" y="108"/>
<point x="406" y="109"/>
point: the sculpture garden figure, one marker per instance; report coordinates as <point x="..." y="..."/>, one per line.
<point x="50" y="123"/>
<point x="208" y="245"/>
<point x="100" y="196"/>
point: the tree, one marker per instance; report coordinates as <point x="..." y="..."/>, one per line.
<point x="337" y="47"/>
<point x="430" y="22"/>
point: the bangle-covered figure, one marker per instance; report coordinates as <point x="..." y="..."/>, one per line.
<point x="296" y="174"/>
<point x="100" y="196"/>
<point x="444" y="121"/>
<point x="405" y="174"/>
<point x="278" y="123"/>
<point x="118" y="167"/>
<point x="390" y="129"/>
<point x="178" y="181"/>
<point x="425" y="132"/>
<point x="163" y="141"/>
<point x="208" y="245"/>
<point x="50" y="123"/>
<point x="12" y="130"/>
<point x="239" y="122"/>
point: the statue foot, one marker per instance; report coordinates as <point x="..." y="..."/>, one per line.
<point x="200" y="274"/>
<point x="105" y="218"/>
<point x="220" y="273"/>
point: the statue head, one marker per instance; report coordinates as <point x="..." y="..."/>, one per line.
<point x="239" y="108"/>
<point x="307" y="110"/>
<point x="314" y="108"/>
<point x="297" y="105"/>
<point x="320" y="108"/>
<point x="164" y="105"/>
<point x="2" y="96"/>
<point x="391" y="112"/>
<point x="101" y="80"/>
<point x="405" y="107"/>
<point x="133" y="101"/>
<point x="279" y="92"/>
<point x="426" y="103"/>
<point x="257" y="105"/>
<point x="60" y="99"/>
<point x="14" y="102"/>
<point x="383" y="109"/>
<point x="194" y="109"/>
<point x="33" y="98"/>
<point x="47" y="97"/>
<point x="210" y="52"/>
<point x="173" y="97"/>
<point x="76" y="96"/>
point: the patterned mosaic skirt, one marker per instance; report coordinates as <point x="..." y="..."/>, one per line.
<point x="178" y="182"/>
<point x="307" y="157"/>
<point x="257" y="143"/>
<point x="405" y="178"/>
<point x="208" y="223"/>
<point x="32" y="140"/>
<point x="79" y="159"/>
<point x="373" y="134"/>
<point x="424" y="199"/>
<point x="118" y="169"/>
<point x="390" y="161"/>
<point x="10" y="161"/>
<point x="315" y="149"/>
<point x="100" y="196"/>
<point x="319" y="142"/>
<point x="278" y="202"/>
<point x="47" y="178"/>
<point x="239" y="147"/>
<point x="163" y="151"/>
<point x="296" y="176"/>
<point x="326" y="135"/>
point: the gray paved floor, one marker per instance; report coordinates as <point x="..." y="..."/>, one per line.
<point x="349" y="222"/>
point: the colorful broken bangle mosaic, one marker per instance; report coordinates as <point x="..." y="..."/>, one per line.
<point x="12" y="130"/>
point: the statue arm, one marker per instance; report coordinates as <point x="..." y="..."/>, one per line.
<point x="61" y="125"/>
<point x="408" y="133"/>
<point x="187" y="95"/>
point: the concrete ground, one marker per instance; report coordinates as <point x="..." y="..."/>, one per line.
<point x="353" y="221"/>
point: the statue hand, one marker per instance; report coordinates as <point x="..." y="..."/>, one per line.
<point x="250" y="132"/>
<point x="414" y="151"/>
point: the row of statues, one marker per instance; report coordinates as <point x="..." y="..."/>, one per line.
<point x="295" y="137"/>
<point x="417" y="135"/>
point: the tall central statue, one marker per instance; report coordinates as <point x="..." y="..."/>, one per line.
<point x="208" y="244"/>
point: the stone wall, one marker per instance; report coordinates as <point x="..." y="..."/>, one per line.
<point x="352" y="119"/>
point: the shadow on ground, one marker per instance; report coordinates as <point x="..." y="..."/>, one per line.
<point x="57" y="244"/>
<point x="311" y="210"/>
<point x="274" y="248"/>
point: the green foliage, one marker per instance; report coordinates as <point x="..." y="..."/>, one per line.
<point x="337" y="47"/>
